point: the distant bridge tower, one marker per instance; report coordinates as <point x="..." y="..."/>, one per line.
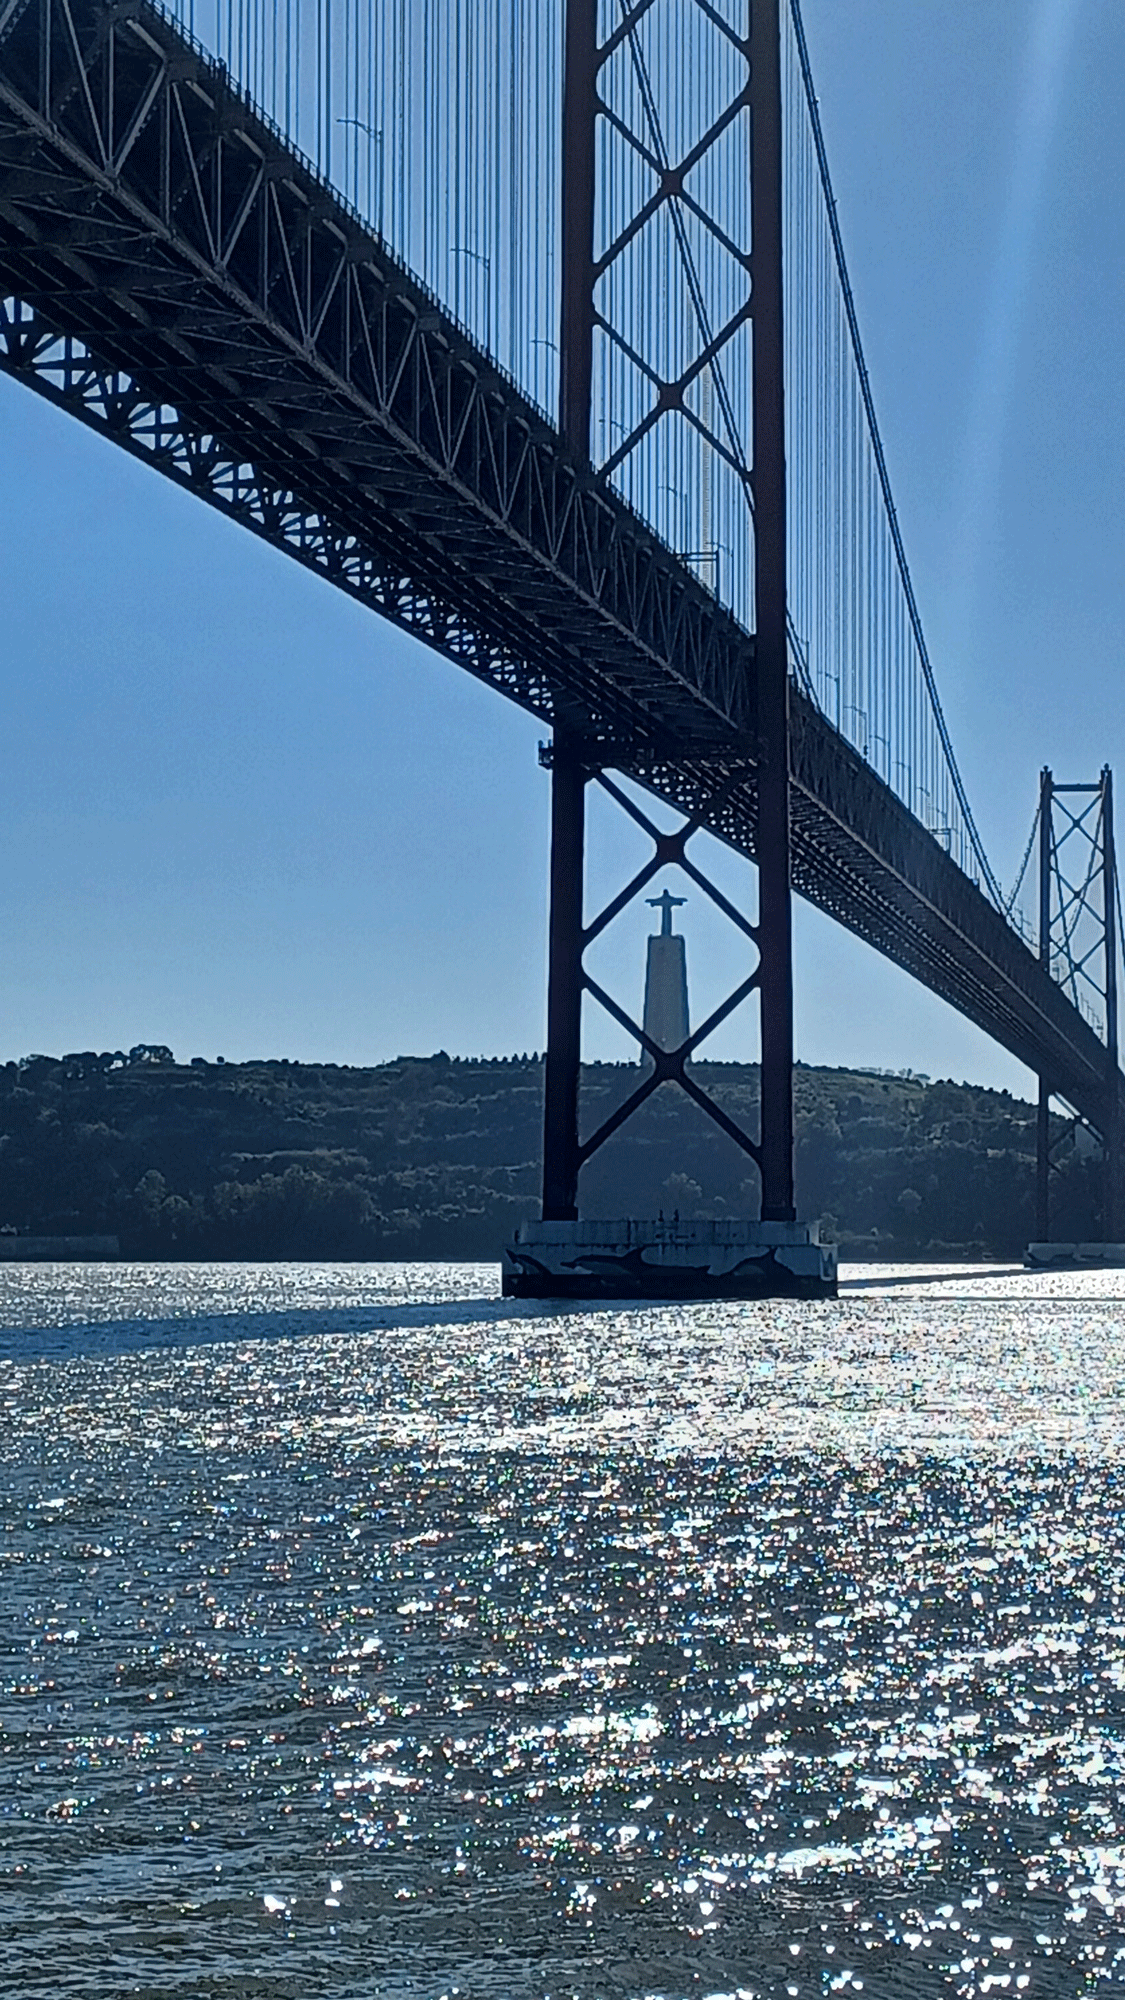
<point x="1078" y="946"/>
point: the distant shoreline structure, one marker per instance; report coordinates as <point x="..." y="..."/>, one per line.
<point x="15" y="1249"/>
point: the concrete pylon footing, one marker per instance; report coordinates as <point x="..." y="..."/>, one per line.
<point x="669" y="1260"/>
<point x="1068" y="1256"/>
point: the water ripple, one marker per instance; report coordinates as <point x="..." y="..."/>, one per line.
<point x="359" y="1636"/>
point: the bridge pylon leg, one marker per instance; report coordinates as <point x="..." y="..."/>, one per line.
<point x="1114" y="1191"/>
<point x="564" y="983"/>
<point x="771" y="617"/>
<point x="1043" y="1164"/>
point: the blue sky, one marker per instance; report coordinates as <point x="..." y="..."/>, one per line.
<point x="243" y="817"/>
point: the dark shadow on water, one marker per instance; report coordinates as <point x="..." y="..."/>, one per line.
<point x="92" y="1339"/>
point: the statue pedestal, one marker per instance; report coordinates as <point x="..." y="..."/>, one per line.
<point x="669" y="1260"/>
<point x="666" y="1001"/>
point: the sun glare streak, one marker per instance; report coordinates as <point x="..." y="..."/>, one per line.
<point x="1043" y="85"/>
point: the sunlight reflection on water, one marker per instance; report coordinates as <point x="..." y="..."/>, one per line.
<point x="365" y="1635"/>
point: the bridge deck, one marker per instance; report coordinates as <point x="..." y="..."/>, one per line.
<point x="181" y="280"/>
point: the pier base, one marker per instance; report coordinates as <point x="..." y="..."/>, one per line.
<point x="1073" y="1256"/>
<point x="669" y="1260"/>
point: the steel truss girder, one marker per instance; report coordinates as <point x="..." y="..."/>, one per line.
<point x="184" y="285"/>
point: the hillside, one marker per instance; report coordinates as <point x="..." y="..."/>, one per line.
<point x="439" y="1157"/>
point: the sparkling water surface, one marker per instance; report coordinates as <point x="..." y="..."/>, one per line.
<point x="366" y="1635"/>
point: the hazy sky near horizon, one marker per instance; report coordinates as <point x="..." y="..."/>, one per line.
<point x="244" y="817"/>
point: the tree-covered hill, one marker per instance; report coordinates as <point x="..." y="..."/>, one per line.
<point x="439" y="1157"/>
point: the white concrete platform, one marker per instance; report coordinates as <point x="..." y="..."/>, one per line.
<point x="669" y="1260"/>
<point x="1087" y="1256"/>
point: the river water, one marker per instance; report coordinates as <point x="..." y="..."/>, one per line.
<point x="364" y="1635"/>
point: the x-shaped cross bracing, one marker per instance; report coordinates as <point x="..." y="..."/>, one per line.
<point x="668" y="1065"/>
<point x="651" y="149"/>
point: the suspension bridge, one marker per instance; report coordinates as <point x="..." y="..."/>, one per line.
<point x="527" y="323"/>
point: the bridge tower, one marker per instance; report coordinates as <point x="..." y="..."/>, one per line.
<point x="574" y="761"/>
<point x="1078" y="947"/>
